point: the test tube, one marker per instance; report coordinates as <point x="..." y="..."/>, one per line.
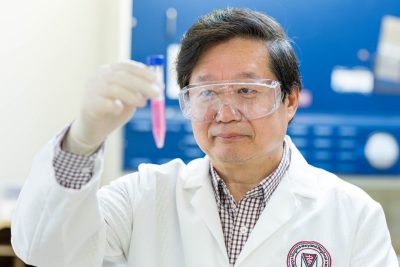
<point x="156" y="63"/>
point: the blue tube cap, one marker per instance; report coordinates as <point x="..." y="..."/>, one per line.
<point x="155" y="60"/>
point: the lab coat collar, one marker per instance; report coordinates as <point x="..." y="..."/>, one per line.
<point x="197" y="173"/>
<point x="301" y="176"/>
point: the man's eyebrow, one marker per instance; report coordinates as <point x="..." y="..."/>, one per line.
<point x="241" y="75"/>
<point x="204" y="78"/>
<point x="248" y="75"/>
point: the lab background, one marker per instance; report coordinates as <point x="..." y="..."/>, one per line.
<point x="349" y="116"/>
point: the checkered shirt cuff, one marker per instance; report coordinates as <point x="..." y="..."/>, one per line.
<point x="71" y="170"/>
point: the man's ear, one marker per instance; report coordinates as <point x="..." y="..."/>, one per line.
<point x="292" y="102"/>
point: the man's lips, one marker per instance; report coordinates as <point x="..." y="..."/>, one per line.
<point x="229" y="136"/>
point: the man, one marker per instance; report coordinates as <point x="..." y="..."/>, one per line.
<point x="252" y="201"/>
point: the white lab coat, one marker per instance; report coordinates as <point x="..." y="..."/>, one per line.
<point x="166" y="216"/>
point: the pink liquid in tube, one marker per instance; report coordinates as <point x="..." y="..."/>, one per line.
<point x="158" y="121"/>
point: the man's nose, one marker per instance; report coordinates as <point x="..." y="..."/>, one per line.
<point x="227" y="113"/>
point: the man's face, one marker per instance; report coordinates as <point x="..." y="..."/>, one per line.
<point x="232" y="139"/>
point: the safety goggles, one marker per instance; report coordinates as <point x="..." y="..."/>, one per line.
<point x="251" y="99"/>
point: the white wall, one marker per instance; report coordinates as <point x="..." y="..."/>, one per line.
<point x="48" y="49"/>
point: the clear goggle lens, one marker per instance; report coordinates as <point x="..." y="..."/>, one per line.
<point x="250" y="98"/>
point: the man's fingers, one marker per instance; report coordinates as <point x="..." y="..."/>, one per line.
<point x="133" y="83"/>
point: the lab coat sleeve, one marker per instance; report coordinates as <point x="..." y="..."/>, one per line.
<point x="56" y="226"/>
<point x="373" y="246"/>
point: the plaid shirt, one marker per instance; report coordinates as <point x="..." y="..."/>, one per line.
<point x="238" y="220"/>
<point x="71" y="170"/>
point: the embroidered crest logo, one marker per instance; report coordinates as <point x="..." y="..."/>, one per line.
<point x="309" y="260"/>
<point x="308" y="254"/>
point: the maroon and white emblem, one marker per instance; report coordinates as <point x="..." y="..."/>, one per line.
<point x="308" y="254"/>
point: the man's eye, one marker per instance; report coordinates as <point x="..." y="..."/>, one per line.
<point x="247" y="91"/>
<point x="207" y="93"/>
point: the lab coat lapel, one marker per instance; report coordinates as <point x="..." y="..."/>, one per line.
<point x="203" y="200"/>
<point x="279" y="210"/>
